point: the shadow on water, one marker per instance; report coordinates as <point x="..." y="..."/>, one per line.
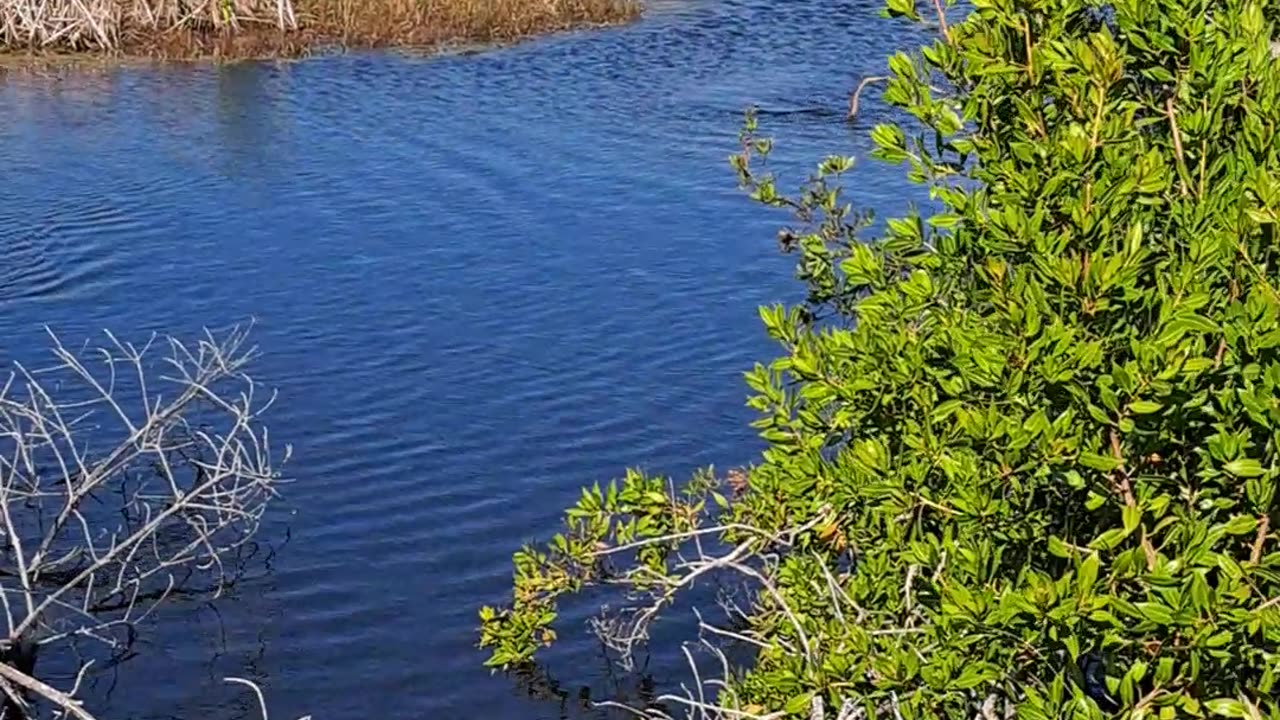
<point x="481" y="282"/>
<point x="248" y="116"/>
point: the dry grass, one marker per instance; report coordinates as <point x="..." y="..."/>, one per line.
<point x="107" y="24"/>
<point x="431" y="21"/>
<point x="258" y="28"/>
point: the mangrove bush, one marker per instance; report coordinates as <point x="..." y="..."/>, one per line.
<point x="1023" y="450"/>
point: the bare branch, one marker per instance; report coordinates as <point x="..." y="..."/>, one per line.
<point x="756" y="560"/>
<point x="62" y="700"/>
<point x="856" y="96"/>
<point x="127" y="474"/>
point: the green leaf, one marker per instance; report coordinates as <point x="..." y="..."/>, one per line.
<point x="1183" y="324"/>
<point x="902" y="8"/>
<point x="945" y="410"/>
<point x="654" y="496"/>
<point x="1244" y="467"/>
<point x="1199" y="591"/>
<point x="1269" y="340"/>
<point x="974" y="675"/>
<point x="1144" y="407"/>
<point x="1058" y="548"/>
<point x="1241" y="525"/>
<point x="1226" y="707"/>
<point x="720" y="500"/>
<point x="945" y="220"/>
<point x="1105" y="463"/>
<point x="1088" y="575"/>
<point x="1110" y="539"/>
<point x="1094" y="501"/>
<point x="798" y="704"/>
<point x="1155" y="612"/>
<point x="1130" y="516"/>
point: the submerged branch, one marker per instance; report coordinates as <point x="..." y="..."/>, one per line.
<point x="127" y="475"/>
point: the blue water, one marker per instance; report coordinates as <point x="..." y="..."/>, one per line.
<point x="480" y="281"/>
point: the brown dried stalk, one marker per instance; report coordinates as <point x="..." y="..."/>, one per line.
<point x="100" y="24"/>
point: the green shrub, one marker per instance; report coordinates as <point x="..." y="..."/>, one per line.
<point x="1023" y="452"/>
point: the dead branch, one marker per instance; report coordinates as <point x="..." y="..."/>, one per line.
<point x="62" y="700"/>
<point x="756" y="560"/>
<point x="629" y="629"/>
<point x="127" y="474"/>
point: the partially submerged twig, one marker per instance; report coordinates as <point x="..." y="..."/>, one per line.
<point x="59" y="698"/>
<point x="624" y="633"/>
<point x="856" y="96"/>
<point x="257" y="692"/>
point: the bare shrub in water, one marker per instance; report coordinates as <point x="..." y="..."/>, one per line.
<point x="128" y="475"/>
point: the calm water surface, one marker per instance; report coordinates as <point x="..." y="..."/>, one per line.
<point x="481" y="281"/>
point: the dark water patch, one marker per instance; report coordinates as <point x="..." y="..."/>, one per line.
<point x="60" y="253"/>
<point x="27" y="270"/>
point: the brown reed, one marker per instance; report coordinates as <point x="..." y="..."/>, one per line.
<point x="264" y="28"/>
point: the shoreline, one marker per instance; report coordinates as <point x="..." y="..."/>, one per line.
<point x="462" y="28"/>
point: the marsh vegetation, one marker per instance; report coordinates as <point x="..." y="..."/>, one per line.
<point x="258" y="28"/>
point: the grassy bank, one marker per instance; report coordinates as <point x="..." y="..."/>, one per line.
<point x="264" y="28"/>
